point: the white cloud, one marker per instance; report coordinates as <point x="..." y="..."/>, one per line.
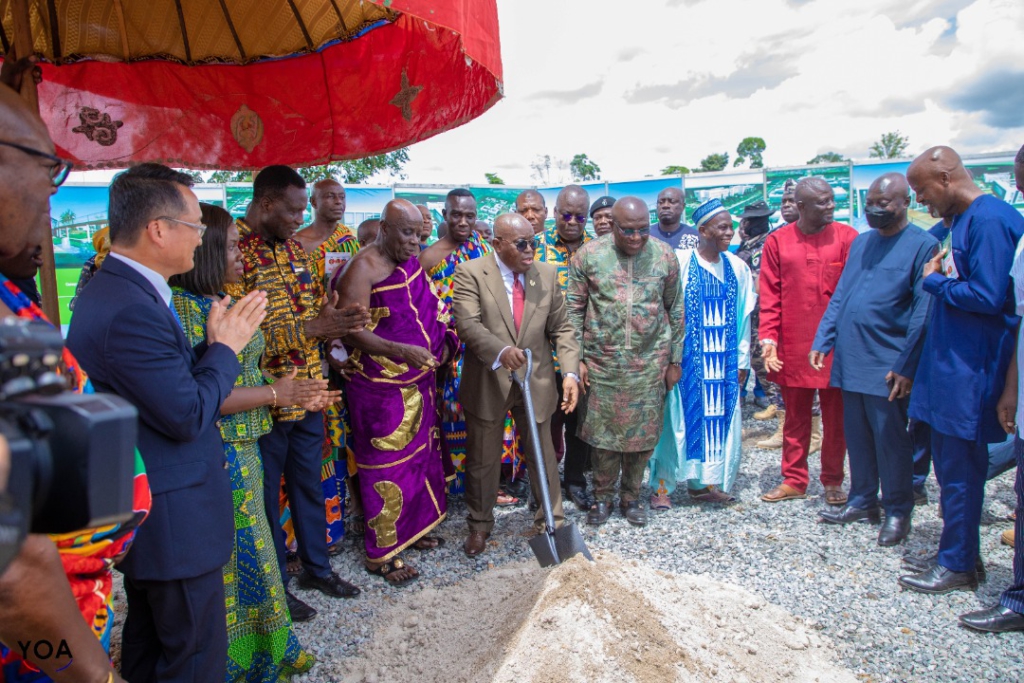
<point x="638" y="86"/>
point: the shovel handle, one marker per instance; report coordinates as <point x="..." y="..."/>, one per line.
<point x="545" y="494"/>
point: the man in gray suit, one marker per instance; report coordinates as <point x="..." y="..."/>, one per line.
<point x="505" y="303"/>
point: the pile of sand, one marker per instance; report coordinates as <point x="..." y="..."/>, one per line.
<point x="612" y="620"/>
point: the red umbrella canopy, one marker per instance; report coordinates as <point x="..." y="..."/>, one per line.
<point x="241" y="84"/>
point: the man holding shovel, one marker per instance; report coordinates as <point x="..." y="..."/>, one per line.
<point x="505" y="303"/>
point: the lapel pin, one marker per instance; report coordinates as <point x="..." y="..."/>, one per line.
<point x="532" y="283"/>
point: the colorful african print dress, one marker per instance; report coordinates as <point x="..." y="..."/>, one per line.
<point x="703" y="431"/>
<point x="261" y="642"/>
<point x="453" y="419"/>
<point x="87" y="555"/>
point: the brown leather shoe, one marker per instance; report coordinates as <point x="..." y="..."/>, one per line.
<point x="476" y="542"/>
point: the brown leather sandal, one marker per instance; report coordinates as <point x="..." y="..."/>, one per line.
<point x="783" y="492"/>
<point x="834" y="495"/>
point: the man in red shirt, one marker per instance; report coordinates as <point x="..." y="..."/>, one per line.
<point x="800" y="268"/>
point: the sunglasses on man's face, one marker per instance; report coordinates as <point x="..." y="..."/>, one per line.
<point x="629" y="232"/>
<point x="524" y="245"/>
<point x="580" y="218"/>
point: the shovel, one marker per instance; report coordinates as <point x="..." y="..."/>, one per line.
<point x="553" y="546"/>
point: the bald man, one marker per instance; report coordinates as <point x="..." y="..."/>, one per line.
<point x="560" y="245"/>
<point x="670" y="228"/>
<point x="505" y="303"/>
<point x="393" y="393"/>
<point x="965" y="356"/>
<point x="875" y="324"/>
<point x="625" y="302"/>
<point x="804" y="260"/>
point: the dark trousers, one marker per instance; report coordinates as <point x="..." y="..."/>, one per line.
<point x="1013" y="597"/>
<point x="921" y="435"/>
<point x="960" y="467"/>
<point x="881" y="452"/>
<point x="483" y="463"/>
<point x="295" y="449"/>
<point x="175" y="630"/>
<point x="796" y="436"/>
<point x="576" y="452"/>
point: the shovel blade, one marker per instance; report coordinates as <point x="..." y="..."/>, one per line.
<point x="565" y="542"/>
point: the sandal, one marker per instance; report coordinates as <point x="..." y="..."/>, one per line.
<point x="711" y="494"/>
<point x="834" y="495"/>
<point x="335" y="548"/>
<point x="505" y="501"/>
<point x="428" y="543"/>
<point x="783" y="492"/>
<point x="292" y="564"/>
<point x="660" y="501"/>
<point x="386" y="568"/>
<point x="356" y="526"/>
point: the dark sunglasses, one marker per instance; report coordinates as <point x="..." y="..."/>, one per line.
<point x="59" y="169"/>
<point x="580" y="218"/>
<point x="525" y="245"/>
<point x="629" y="232"/>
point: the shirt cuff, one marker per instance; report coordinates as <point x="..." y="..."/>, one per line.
<point x="933" y="283"/>
<point x="497" y="361"/>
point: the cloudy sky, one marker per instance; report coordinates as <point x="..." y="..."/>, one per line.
<point x="640" y="85"/>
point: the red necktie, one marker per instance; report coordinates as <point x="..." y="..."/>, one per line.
<point x="518" y="299"/>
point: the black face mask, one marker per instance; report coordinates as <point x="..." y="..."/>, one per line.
<point x="879" y="218"/>
<point x="757" y="226"/>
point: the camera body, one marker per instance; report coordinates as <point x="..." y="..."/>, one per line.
<point x="72" y="455"/>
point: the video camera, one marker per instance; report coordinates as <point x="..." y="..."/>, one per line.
<point x="72" y="455"/>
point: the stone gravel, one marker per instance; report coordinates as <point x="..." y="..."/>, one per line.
<point x="836" y="577"/>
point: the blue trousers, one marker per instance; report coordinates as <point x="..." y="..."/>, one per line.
<point x="960" y="467"/>
<point x="921" y="435"/>
<point x="295" y="449"/>
<point x="1013" y="597"/>
<point x="881" y="452"/>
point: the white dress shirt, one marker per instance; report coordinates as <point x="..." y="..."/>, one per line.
<point x="154" y="278"/>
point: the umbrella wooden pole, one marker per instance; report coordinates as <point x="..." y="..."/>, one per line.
<point x="23" y="48"/>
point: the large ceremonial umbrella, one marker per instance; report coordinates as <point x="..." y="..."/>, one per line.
<point x="240" y="84"/>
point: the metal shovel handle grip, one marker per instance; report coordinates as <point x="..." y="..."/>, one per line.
<point x="545" y="494"/>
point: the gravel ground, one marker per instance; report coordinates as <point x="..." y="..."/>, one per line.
<point x="838" y="578"/>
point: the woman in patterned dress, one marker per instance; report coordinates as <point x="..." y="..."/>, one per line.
<point x="262" y="646"/>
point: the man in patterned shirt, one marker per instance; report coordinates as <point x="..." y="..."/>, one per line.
<point x="298" y="320"/>
<point x="568" y="235"/>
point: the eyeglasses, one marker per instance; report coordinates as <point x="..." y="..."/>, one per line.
<point x="198" y="227"/>
<point x="580" y="218"/>
<point x="629" y="232"/>
<point x="58" y="171"/>
<point x="525" y="245"/>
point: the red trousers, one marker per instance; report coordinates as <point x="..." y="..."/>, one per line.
<point x="796" y="436"/>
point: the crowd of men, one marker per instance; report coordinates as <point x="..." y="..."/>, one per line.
<point x="290" y="378"/>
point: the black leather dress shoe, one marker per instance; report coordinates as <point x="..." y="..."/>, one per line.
<point x="919" y="564"/>
<point x="848" y="514"/>
<point x="920" y="497"/>
<point x="634" y="512"/>
<point x="894" y="530"/>
<point x="333" y="586"/>
<point x="996" y="619"/>
<point x="580" y="497"/>
<point x="937" y="580"/>
<point x="520" y="488"/>
<point x="299" y="610"/>
<point x="600" y="513"/>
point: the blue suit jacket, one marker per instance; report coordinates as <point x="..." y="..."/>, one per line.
<point x="131" y="345"/>
<point x="971" y="334"/>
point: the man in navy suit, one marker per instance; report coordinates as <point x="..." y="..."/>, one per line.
<point x="127" y="337"/>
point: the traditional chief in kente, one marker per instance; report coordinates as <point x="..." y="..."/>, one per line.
<point x="393" y="392"/>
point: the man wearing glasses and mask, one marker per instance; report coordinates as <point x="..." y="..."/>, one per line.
<point x="505" y="303"/>
<point x="625" y="303"/>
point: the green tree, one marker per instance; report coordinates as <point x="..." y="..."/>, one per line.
<point x="354" y="171"/>
<point x="891" y="146"/>
<point x="750" y="148"/>
<point x="493" y="179"/>
<point x="714" y="162"/>
<point x="230" y="177"/>
<point x="827" y="158"/>
<point x="675" y="170"/>
<point x="582" y="168"/>
<point x="68" y="217"/>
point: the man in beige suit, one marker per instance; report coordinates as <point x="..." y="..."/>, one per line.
<point x="505" y="303"/>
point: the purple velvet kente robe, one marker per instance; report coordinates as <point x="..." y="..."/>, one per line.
<point x="393" y="406"/>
